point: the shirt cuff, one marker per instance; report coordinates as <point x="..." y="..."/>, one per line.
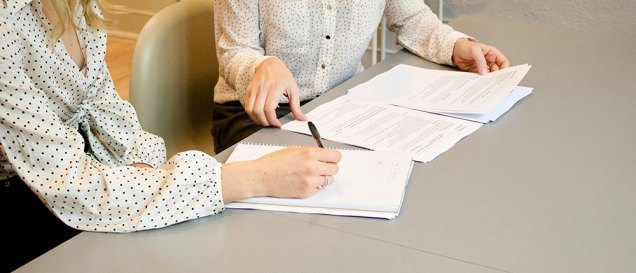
<point x="217" y="183"/>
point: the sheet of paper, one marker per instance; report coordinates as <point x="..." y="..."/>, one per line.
<point x="441" y="91"/>
<point x="384" y="127"/>
<point x="369" y="183"/>
<point x="515" y="96"/>
<point x="341" y="212"/>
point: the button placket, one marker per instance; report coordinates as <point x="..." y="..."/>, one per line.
<point x="326" y="46"/>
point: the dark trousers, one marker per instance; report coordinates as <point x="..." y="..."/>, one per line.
<point x="27" y="228"/>
<point x="232" y="124"/>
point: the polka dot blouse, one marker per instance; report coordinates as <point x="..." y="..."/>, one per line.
<point x="70" y="137"/>
<point x="321" y="41"/>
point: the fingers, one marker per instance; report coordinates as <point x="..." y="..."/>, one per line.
<point x="325" y="168"/>
<point x="271" y="81"/>
<point x="314" y="168"/>
<point x="313" y="185"/>
<point x="477" y="57"/>
<point x="324" y="155"/>
<point x="316" y="161"/>
<point x="261" y="104"/>
<point x="270" y="109"/>
<point x="477" y="53"/>
<point x="294" y="103"/>
<point x="328" y="179"/>
<point x="262" y="109"/>
<point x="502" y="61"/>
<point x="297" y="172"/>
<point x="255" y="99"/>
<point x="258" y="110"/>
<point x="328" y="168"/>
<point x="250" y="99"/>
<point x="495" y="59"/>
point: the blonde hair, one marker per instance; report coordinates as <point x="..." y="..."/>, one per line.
<point x="65" y="10"/>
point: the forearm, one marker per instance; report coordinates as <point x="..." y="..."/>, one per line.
<point x="237" y="33"/>
<point x="125" y="199"/>
<point x="88" y="195"/>
<point x="421" y="32"/>
<point x="237" y="68"/>
<point x="240" y="181"/>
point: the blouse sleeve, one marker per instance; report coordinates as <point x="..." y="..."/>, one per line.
<point x="84" y="193"/>
<point x="420" y="31"/>
<point x="237" y="31"/>
<point x="147" y="148"/>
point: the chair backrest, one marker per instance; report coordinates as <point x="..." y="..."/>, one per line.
<point x="173" y="74"/>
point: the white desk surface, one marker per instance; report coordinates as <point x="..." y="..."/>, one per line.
<point x="550" y="187"/>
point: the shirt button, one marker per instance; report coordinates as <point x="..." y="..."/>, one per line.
<point x="323" y="66"/>
<point x="328" y="37"/>
<point x="7" y="184"/>
<point x="328" y="7"/>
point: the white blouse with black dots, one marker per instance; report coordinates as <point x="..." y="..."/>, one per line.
<point x="46" y="104"/>
<point x="321" y="41"/>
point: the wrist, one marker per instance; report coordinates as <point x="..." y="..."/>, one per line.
<point x="266" y="61"/>
<point x="461" y="43"/>
<point x="239" y="180"/>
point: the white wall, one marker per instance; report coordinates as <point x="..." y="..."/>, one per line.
<point x="618" y="16"/>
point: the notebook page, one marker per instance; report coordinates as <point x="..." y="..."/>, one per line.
<point x="367" y="180"/>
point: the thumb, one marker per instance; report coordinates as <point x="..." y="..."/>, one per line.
<point x="294" y="103"/>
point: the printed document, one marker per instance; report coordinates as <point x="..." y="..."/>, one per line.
<point x="517" y="93"/>
<point x="384" y="127"/>
<point x="441" y="91"/>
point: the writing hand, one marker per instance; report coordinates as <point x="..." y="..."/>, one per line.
<point x="271" y="81"/>
<point x="476" y="57"/>
<point x="290" y="173"/>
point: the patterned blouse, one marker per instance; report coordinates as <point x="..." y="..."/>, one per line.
<point x="321" y="41"/>
<point x="70" y="137"/>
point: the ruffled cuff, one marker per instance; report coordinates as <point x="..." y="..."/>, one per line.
<point x="149" y="149"/>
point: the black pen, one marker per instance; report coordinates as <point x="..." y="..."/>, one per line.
<point x="315" y="134"/>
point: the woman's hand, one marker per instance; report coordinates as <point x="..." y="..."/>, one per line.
<point x="291" y="173"/>
<point x="272" y="80"/>
<point x="479" y="58"/>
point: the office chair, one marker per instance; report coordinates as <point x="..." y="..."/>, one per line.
<point x="173" y="74"/>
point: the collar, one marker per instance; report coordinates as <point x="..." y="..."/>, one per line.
<point x="12" y="6"/>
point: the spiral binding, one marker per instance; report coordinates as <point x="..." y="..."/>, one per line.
<point x="299" y="146"/>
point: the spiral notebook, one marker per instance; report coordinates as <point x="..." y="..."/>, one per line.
<point x="369" y="184"/>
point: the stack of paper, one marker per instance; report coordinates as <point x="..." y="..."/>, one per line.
<point x="417" y="110"/>
<point x="460" y="94"/>
<point x="369" y="184"/>
<point x="384" y="127"/>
